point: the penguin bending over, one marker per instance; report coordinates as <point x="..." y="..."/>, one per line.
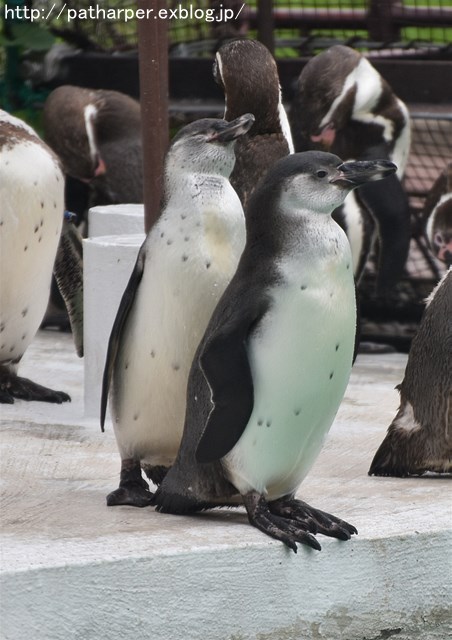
<point x="183" y="267"/>
<point x="248" y="75"/>
<point x="31" y="216"/>
<point x="97" y="136"/>
<point x="419" y="438"/>
<point x="344" y="106"/>
<point x="274" y="362"/>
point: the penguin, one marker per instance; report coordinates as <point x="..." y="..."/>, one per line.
<point x="272" y="367"/>
<point x="248" y="75"/>
<point x="343" y="105"/>
<point x="31" y="216"/>
<point x="183" y="267"/>
<point x="438" y="213"/>
<point x="419" y="439"/>
<point x="97" y="136"/>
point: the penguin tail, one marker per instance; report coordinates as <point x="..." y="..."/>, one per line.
<point x="402" y="451"/>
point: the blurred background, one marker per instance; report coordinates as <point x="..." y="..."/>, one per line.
<point x="409" y="42"/>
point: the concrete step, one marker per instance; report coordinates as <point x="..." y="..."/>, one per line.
<point x="73" y="569"/>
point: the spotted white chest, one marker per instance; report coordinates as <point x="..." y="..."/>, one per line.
<point x="191" y="255"/>
<point x="31" y="216"/>
<point x="301" y="357"/>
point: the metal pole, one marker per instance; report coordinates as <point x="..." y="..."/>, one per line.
<point x="265" y="24"/>
<point x="153" y="64"/>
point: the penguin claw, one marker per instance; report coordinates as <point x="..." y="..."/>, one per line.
<point x="301" y="512"/>
<point x="12" y="386"/>
<point x="284" y="529"/>
<point x="133" y="494"/>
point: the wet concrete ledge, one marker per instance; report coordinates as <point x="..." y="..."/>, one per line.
<point x="73" y="569"/>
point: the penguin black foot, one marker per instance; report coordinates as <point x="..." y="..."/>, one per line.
<point x="12" y="386"/>
<point x="317" y="521"/>
<point x="133" y="490"/>
<point x="282" y="528"/>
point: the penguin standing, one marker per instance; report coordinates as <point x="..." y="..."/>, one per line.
<point x="183" y="267"/>
<point x="344" y="106"/>
<point x="419" y="438"/>
<point x="97" y="136"/>
<point x="31" y="216"/>
<point x="248" y="75"/>
<point x="274" y="362"/>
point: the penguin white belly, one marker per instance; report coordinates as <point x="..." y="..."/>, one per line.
<point x="183" y="280"/>
<point x="31" y="216"/>
<point x="301" y="358"/>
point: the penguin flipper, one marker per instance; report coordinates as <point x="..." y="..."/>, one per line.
<point x="224" y="363"/>
<point x="116" y="333"/>
<point x="68" y="271"/>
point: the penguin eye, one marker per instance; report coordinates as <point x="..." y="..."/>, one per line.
<point x="321" y="173"/>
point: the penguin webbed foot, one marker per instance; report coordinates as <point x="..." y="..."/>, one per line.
<point x="131" y="494"/>
<point x="284" y="529"/>
<point x="14" y="387"/>
<point x="318" y="521"/>
<point x="133" y="489"/>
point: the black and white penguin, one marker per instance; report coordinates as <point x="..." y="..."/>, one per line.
<point x="183" y="267"/>
<point x="31" y="216"/>
<point x="438" y="212"/>
<point x="274" y="362"/>
<point x="419" y="438"/>
<point x="248" y="75"/>
<point x="97" y="136"/>
<point x="343" y="105"/>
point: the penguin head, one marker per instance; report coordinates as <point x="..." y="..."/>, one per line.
<point x="207" y="145"/>
<point x="318" y="182"/>
<point x="80" y="123"/>
<point x="248" y="75"/>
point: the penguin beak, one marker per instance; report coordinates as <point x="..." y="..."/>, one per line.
<point x="233" y="130"/>
<point x="355" y="173"/>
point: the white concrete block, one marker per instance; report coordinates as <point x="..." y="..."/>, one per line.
<point x="108" y="263"/>
<point x="115" y="220"/>
<point x="74" y="569"/>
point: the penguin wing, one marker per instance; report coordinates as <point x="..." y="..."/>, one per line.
<point x="224" y="362"/>
<point x="68" y="271"/>
<point x="118" y="326"/>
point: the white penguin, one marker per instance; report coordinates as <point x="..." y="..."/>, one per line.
<point x="183" y="267"/>
<point x="31" y="217"/>
<point x="274" y="362"/>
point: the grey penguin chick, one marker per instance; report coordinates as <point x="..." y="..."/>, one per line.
<point x="183" y="267"/>
<point x="97" y="136"/>
<point x="274" y="362"/>
<point x="343" y="105"/>
<point x="419" y="439"/>
<point x="31" y="216"/>
<point x="248" y="75"/>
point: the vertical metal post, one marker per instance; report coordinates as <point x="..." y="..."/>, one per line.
<point x="153" y="64"/>
<point x="265" y="24"/>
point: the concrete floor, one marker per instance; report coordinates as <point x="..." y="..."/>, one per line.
<point x="74" y="569"/>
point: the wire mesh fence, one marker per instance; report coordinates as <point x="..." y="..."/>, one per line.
<point x="300" y="27"/>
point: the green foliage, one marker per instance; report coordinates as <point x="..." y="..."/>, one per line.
<point x="28" y="35"/>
